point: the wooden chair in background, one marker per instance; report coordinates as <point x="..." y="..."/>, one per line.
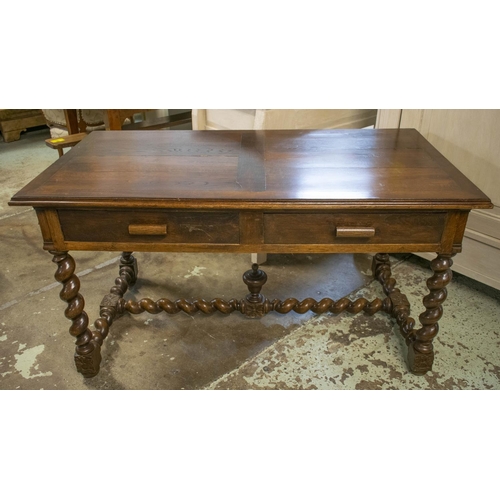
<point x="114" y="119"/>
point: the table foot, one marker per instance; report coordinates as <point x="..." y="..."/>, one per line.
<point x="419" y="363"/>
<point x="89" y="364"/>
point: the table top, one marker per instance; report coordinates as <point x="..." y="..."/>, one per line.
<point x="386" y="168"/>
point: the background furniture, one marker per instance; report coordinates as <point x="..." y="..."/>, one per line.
<point x="79" y="121"/>
<point x="115" y="119"/>
<point x="15" y="121"/>
<point x="469" y="138"/>
<point x="69" y="126"/>
<point x="67" y="141"/>
<point x="74" y="121"/>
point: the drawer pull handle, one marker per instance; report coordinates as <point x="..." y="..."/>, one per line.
<point x="147" y="229"/>
<point x="355" y="232"/>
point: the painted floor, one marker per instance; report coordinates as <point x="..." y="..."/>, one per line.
<point x="224" y="352"/>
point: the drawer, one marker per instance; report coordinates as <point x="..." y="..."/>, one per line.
<point x="149" y="226"/>
<point x="354" y="227"/>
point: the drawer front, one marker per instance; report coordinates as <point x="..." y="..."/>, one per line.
<point x="150" y="226"/>
<point x="358" y="228"/>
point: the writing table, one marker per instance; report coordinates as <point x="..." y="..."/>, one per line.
<point x="324" y="191"/>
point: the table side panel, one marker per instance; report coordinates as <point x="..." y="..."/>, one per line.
<point x="455" y="230"/>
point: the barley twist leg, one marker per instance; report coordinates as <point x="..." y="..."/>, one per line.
<point x="421" y="350"/>
<point x="111" y="303"/>
<point x="88" y="349"/>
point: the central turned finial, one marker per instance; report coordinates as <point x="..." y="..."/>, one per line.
<point x="255" y="304"/>
<point x="255" y="279"/>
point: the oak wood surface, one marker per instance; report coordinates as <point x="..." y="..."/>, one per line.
<point x="389" y="227"/>
<point x="320" y="169"/>
<point x="177" y="226"/>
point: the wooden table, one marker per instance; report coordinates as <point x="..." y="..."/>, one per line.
<point x="329" y="191"/>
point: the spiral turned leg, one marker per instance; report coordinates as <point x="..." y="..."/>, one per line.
<point x="111" y="304"/>
<point x="88" y="349"/>
<point x="421" y="351"/>
<point x="128" y="265"/>
<point x="420" y="348"/>
<point x="399" y="307"/>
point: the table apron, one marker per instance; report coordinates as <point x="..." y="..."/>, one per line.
<point x="253" y="231"/>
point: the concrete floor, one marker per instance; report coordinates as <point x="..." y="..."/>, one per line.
<point x="223" y="352"/>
